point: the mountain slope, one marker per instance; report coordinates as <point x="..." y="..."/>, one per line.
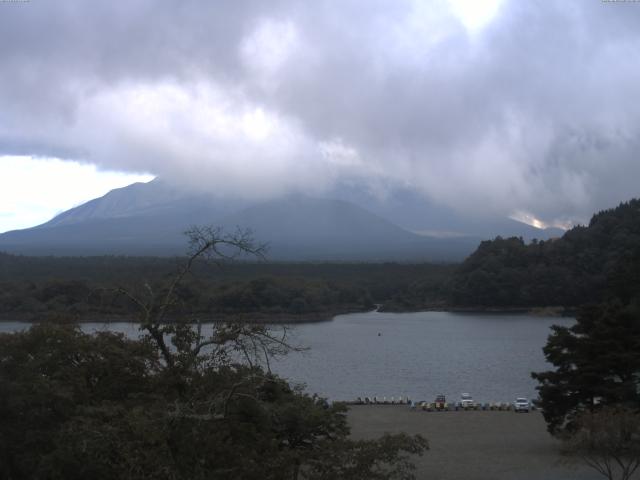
<point x="417" y="213"/>
<point x="153" y="200"/>
<point x="148" y="219"/>
<point x="317" y="229"/>
<point x="140" y="219"/>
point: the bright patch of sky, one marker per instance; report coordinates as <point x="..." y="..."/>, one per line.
<point x="529" y="219"/>
<point x="475" y="14"/>
<point x="32" y="191"/>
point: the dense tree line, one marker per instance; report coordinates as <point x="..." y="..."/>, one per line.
<point x="39" y="288"/>
<point x="76" y="300"/>
<point x="588" y="264"/>
<point x="382" y="279"/>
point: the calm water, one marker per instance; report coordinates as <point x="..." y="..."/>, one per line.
<point x="415" y="354"/>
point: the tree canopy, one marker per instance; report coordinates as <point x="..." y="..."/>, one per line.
<point x="588" y="264"/>
<point x="74" y="288"/>
<point x="175" y="403"/>
<point x="597" y="363"/>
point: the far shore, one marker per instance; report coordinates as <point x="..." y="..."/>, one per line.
<point x="543" y="311"/>
<point x="257" y="317"/>
<point x="283" y="318"/>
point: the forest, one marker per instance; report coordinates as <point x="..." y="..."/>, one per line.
<point x="75" y="288"/>
<point x="588" y="264"/>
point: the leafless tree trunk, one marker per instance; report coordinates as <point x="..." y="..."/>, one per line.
<point x="607" y="440"/>
<point x="255" y="342"/>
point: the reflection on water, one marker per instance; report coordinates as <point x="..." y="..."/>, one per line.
<point x="416" y="354"/>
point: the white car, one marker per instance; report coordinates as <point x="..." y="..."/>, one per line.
<point x="521" y="405"/>
<point x="466" y="401"/>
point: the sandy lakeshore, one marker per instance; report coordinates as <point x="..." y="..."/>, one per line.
<point x="491" y="445"/>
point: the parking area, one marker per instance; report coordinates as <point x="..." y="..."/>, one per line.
<point x="473" y="445"/>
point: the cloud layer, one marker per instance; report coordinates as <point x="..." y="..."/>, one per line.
<point x="535" y="112"/>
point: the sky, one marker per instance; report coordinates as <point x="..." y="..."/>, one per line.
<point x="490" y="107"/>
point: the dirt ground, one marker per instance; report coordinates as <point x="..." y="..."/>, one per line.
<point x="474" y="445"/>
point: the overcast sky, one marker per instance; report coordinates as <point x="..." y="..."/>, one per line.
<point x="508" y="107"/>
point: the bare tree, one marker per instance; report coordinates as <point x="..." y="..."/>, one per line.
<point x="181" y="341"/>
<point x="607" y="440"/>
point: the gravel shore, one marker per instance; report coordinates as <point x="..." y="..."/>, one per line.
<point x="474" y="445"/>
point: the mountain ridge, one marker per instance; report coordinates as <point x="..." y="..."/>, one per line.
<point x="149" y="219"/>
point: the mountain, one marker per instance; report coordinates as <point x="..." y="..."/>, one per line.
<point x="155" y="199"/>
<point x="414" y="212"/>
<point x="148" y="219"/>
<point x="298" y="226"/>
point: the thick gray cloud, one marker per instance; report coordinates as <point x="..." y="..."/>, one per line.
<point x="536" y="112"/>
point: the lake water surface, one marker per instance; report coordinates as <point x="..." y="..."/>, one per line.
<point x="420" y="354"/>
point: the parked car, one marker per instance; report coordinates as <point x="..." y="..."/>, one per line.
<point x="521" y="405"/>
<point x="440" y="403"/>
<point x="466" y="401"/>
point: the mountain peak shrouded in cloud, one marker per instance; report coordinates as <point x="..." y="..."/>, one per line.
<point x="353" y="225"/>
<point x="151" y="218"/>
<point x="531" y="111"/>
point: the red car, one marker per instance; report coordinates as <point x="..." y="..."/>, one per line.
<point x="440" y="403"/>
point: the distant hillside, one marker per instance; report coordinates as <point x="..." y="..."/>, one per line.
<point x="586" y="265"/>
<point x="149" y="219"/>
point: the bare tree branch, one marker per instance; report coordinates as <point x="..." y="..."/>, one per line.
<point x="255" y="343"/>
<point x="608" y="441"/>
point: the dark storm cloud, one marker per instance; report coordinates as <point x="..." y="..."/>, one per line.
<point x="536" y="112"/>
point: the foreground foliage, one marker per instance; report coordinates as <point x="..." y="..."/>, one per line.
<point x="101" y="406"/>
<point x="176" y="403"/>
<point x="597" y="364"/>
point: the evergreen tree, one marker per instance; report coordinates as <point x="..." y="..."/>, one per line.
<point x="597" y="363"/>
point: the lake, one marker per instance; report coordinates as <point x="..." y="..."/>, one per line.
<point x="418" y="355"/>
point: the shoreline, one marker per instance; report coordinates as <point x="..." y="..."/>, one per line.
<point x="256" y="318"/>
<point x="288" y="318"/>
<point x="539" y="311"/>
